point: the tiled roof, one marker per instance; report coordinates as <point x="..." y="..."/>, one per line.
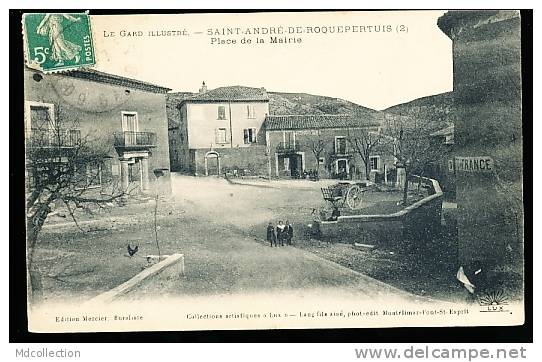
<point x="230" y="94"/>
<point x="102" y="77"/>
<point x="316" y="121"/>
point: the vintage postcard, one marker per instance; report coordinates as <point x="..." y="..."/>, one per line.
<point x="268" y="170"/>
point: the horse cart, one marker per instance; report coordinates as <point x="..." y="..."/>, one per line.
<point x="349" y="193"/>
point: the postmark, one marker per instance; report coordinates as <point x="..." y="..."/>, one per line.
<point x="86" y="100"/>
<point x="57" y="42"/>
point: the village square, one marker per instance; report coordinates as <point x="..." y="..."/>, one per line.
<point x="261" y="190"/>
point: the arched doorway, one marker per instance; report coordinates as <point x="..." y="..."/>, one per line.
<point x="212" y="163"/>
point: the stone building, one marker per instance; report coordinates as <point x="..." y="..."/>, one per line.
<point x="220" y="130"/>
<point x="232" y="130"/>
<point x="127" y="117"/>
<point x="299" y="144"/>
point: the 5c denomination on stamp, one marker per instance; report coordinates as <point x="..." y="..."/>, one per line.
<point x="55" y="42"/>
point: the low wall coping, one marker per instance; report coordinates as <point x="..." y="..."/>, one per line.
<point x="396" y="216"/>
<point x="132" y="283"/>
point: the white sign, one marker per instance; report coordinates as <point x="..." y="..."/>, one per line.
<point x="472" y="164"/>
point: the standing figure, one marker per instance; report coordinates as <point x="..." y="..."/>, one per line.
<point x="61" y="49"/>
<point x="289" y="232"/>
<point x="335" y="214"/>
<point x="271" y="237"/>
<point x="281" y="233"/>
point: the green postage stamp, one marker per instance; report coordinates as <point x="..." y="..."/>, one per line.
<point x="55" y="42"/>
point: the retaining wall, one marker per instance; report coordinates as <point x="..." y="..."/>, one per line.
<point x="168" y="266"/>
<point x="419" y="221"/>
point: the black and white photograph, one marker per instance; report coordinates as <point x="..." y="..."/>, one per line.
<point x="273" y="170"/>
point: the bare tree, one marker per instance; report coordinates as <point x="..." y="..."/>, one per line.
<point x="318" y="147"/>
<point x="409" y="140"/>
<point x="62" y="167"/>
<point x="365" y="141"/>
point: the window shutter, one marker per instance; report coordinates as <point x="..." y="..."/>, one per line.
<point x="124" y="123"/>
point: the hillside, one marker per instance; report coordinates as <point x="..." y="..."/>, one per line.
<point x="436" y="108"/>
<point x="302" y="103"/>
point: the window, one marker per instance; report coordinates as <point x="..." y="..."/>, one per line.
<point x="221" y="135"/>
<point x="40" y="122"/>
<point x="250" y="111"/>
<point x="340" y="145"/>
<point x="221" y="112"/>
<point x="373" y="162"/>
<point x="40" y="118"/>
<point x="249" y="135"/>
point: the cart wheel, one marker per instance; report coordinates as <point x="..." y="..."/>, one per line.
<point x="353" y="197"/>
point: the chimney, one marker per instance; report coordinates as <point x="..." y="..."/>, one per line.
<point x="203" y="88"/>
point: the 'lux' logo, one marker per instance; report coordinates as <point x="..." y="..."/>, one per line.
<point x="495" y="308"/>
<point x="493" y="302"/>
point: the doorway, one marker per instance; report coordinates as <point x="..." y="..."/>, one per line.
<point x="130" y="127"/>
<point x="341" y="168"/>
<point x="295" y="166"/>
<point x="289" y="165"/>
<point x="212" y="164"/>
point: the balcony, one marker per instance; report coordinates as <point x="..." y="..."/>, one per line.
<point x="134" y="140"/>
<point x="288" y="147"/>
<point x="53" y="138"/>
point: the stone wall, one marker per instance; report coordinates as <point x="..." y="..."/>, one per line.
<point x="487" y="109"/>
<point x="247" y="161"/>
<point x="416" y="223"/>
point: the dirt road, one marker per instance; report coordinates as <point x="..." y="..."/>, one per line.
<point x="225" y="250"/>
<point x="218" y="226"/>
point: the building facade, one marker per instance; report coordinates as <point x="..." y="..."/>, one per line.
<point x="230" y="130"/>
<point x="123" y="116"/>
<point x="220" y="130"/>
<point x="310" y="144"/>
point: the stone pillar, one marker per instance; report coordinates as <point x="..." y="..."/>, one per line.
<point x="401" y="175"/>
<point x="124" y="175"/>
<point x="145" y="173"/>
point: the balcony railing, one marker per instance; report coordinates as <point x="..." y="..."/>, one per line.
<point x="51" y="138"/>
<point x="129" y="139"/>
<point x="288" y="147"/>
